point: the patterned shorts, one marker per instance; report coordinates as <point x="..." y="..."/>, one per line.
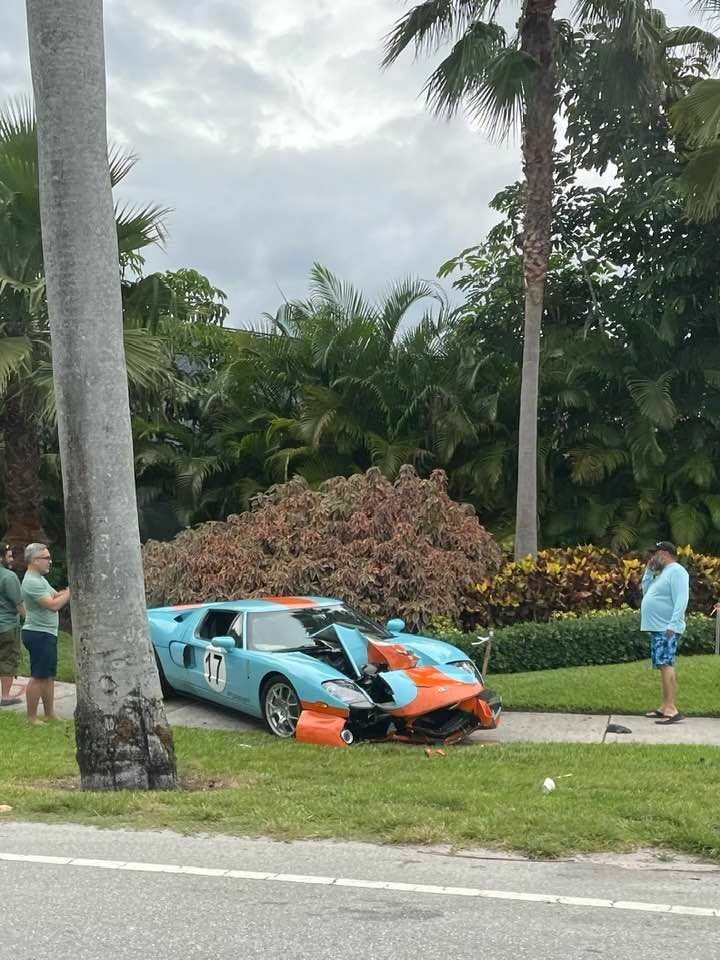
<point x="9" y="652"/>
<point x="663" y="649"/>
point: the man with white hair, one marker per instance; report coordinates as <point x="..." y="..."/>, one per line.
<point x="39" y="633"/>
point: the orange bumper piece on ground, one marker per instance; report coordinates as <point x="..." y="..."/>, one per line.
<point x="320" y="728"/>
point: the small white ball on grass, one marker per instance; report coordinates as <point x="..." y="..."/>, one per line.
<point x="548" y="785"/>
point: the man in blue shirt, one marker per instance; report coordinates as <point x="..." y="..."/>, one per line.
<point x="666" y="590"/>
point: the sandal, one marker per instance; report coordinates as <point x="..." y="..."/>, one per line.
<point x="652" y="714"/>
<point x="675" y="718"/>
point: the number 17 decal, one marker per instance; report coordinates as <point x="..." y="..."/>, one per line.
<point x="215" y="670"/>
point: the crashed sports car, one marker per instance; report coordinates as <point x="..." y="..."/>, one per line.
<point x="314" y="669"/>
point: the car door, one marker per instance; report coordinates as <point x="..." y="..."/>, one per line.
<point x="216" y="673"/>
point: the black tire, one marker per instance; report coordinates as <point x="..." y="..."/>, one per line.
<point x="280" y="707"/>
<point x="167" y="690"/>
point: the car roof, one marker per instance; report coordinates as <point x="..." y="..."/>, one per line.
<point x="260" y="605"/>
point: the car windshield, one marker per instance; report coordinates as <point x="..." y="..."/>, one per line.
<point x="286" y="630"/>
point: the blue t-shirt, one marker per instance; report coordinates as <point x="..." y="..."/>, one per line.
<point x="665" y="599"/>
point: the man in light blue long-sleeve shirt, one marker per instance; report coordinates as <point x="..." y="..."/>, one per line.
<point x="666" y="590"/>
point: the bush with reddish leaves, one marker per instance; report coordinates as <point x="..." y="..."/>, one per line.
<point x="390" y="549"/>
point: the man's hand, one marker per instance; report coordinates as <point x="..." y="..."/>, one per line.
<point x="669" y="633"/>
<point x="715" y="609"/>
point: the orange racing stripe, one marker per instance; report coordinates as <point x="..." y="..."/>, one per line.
<point x="291" y="601"/>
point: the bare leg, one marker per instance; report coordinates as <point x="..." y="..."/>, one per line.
<point x="32" y="695"/>
<point x="669" y="689"/>
<point x="6" y="687"/>
<point x="48" y="698"/>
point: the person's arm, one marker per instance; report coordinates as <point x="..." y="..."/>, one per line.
<point x="647" y="578"/>
<point x="55" y="601"/>
<point x="680" y="593"/>
<point x="14" y="595"/>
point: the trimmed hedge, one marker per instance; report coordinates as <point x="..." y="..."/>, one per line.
<point x="595" y="639"/>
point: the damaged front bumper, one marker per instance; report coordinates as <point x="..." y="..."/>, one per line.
<point x="445" y="725"/>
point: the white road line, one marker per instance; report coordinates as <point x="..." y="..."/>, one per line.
<point x="390" y="885"/>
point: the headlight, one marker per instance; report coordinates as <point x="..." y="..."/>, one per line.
<point x="348" y="692"/>
<point x="468" y="666"/>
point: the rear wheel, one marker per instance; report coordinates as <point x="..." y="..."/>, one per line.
<point x="281" y="707"/>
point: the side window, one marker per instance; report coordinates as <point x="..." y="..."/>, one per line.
<point x="217" y="623"/>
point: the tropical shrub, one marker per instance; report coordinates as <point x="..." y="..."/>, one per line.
<point x="402" y="548"/>
<point x="578" y="580"/>
<point x="574" y="641"/>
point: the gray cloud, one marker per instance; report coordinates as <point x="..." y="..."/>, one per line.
<point x="273" y="135"/>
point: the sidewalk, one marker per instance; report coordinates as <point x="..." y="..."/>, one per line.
<point x="535" y="727"/>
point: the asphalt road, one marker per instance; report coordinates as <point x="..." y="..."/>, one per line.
<point x="132" y="902"/>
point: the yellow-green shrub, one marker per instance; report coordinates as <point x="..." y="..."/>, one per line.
<point x="579" y="580"/>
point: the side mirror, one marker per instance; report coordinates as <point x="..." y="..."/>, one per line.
<point x="395" y="626"/>
<point x="223" y="643"/>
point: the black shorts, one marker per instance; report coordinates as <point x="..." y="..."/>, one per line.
<point x="42" y="648"/>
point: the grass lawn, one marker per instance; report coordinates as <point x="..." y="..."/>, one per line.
<point x="617" y="797"/>
<point x="616" y="688"/>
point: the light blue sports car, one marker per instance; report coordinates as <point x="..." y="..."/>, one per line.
<point x="313" y="668"/>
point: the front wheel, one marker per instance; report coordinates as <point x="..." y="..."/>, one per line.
<point x="281" y="707"/>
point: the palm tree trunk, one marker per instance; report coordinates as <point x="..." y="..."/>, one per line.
<point x="123" y="739"/>
<point x="537" y="35"/>
<point x="22" y="484"/>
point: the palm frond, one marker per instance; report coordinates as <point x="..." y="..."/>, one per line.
<point x="140" y="227"/>
<point x="702" y="181"/>
<point x="430" y="24"/>
<point x="401" y="297"/>
<point x="687" y="523"/>
<point x="693" y="40"/>
<point x="15" y="354"/>
<point x="709" y="8"/>
<point x="342" y="297"/>
<point x="120" y="162"/>
<point x="592" y="464"/>
<point x="463" y="72"/>
<point x="146" y="359"/>
<point x="499" y="97"/>
<point x="696" y="118"/>
<point x="390" y="455"/>
<point x="654" y="398"/>
<point x="623" y="535"/>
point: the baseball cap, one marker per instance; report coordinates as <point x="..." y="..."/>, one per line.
<point x="667" y="546"/>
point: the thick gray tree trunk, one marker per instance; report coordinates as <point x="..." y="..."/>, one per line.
<point x="537" y="36"/>
<point x="123" y="739"/>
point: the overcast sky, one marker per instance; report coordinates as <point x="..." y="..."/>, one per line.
<point x="268" y="128"/>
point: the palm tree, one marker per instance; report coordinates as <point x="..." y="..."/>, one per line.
<point x="696" y="119"/>
<point x="25" y="368"/>
<point x="505" y="83"/>
<point x="123" y="739"/>
<point x="347" y="383"/>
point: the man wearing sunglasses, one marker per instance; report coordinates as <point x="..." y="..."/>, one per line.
<point x="11" y="609"/>
<point x="666" y="589"/>
<point x="39" y="634"/>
